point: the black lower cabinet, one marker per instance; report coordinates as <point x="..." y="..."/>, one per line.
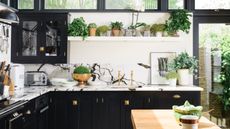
<point x="91" y="109"/>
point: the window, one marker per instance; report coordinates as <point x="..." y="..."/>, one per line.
<point x="70" y="4"/>
<point x="25" y="4"/>
<point x="130" y="4"/>
<point x="175" y="4"/>
<point x="212" y="4"/>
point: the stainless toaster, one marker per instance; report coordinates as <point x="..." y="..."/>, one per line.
<point x="36" y="78"/>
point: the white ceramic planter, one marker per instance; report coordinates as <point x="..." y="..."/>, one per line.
<point x="183" y="77"/>
<point x="159" y="34"/>
<point x="172" y="82"/>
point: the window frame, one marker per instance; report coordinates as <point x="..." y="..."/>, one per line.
<point x="208" y="10"/>
<point x="185" y="5"/>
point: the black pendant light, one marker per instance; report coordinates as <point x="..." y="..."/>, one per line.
<point x="7" y="14"/>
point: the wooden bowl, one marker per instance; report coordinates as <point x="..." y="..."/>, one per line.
<point x="81" y="78"/>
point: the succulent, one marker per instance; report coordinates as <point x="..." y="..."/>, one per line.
<point x="82" y="70"/>
<point x="92" y="25"/>
<point x="157" y="28"/>
<point x="103" y="29"/>
<point x="116" y="25"/>
<point x="171" y="75"/>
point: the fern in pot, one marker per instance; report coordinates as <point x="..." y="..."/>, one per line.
<point x="184" y="65"/>
<point x="172" y="77"/>
<point x="78" y="27"/>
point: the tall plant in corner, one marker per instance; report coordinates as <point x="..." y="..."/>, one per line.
<point x="225" y="79"/>
<point x="78" y="28"/>
<point x="178" y="20"/>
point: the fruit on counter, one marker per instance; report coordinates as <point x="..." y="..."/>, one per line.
<point x="187" y="109"/>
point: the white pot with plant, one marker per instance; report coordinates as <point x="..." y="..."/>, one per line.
<point x="184" y="65"/>
<point x="172" y="78"/>
<point x="157" y="29"/>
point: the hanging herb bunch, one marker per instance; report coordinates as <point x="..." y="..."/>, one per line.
<point x="178" y="20"/>
<point x="78" y="28"/>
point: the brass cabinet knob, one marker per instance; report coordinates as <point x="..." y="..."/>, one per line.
<point x="28" y="112"/>
<point x="176" y="96"/>
<point x="42" y="49"/>
<point x="149" y="100"/>
<point x="126" y="102"/>
<point x="74" y="102"/>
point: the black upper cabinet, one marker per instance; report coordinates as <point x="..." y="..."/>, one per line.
<point x="40" y="38"/>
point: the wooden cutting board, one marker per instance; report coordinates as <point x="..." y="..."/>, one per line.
<point x="163" y="119"/>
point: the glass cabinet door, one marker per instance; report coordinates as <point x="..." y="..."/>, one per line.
<point x="29" y="38"/>
<point x="53" y="37"/>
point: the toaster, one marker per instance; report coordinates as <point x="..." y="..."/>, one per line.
<point x="36" y="78"/>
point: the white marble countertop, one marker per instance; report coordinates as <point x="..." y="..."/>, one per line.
<point x="29" y="93"/>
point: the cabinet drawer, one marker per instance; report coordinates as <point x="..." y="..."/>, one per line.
<point x="168" y="99"/>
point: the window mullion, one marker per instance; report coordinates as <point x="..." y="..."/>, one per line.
<point x="163" y="5"/>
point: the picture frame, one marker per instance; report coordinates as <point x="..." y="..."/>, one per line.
<point x="156" y="59"/>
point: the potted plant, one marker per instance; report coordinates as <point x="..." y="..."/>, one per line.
<point x="92" y="27"/>
<point x="78" y="27"/>
<point x="184" y="64"/>
<point x="103" y="30"/>
<point x="116" y="28"/>
<point x="172" y="77"/>
<point x="82" y="75"/>
<point x="146" y="30"/>
<point x="178" y="20"/>
<point x="157" y="29"/>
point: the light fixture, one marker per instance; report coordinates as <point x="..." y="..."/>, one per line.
<point x="7" y="14"/>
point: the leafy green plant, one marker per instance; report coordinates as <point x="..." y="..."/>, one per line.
<point x="171" y="75"/>
<point x="225" y="80"/>
<point x="157" y="28"/>
<point x="137" y="25"/>
<point x="78" y="28"/>
<point x="146" y="28"/>
<point x="81" y="70"/>
<point x="184" y="61"/>
<point x="116" y="25"/>
<point x="102" y="29"/>
<point x="92" y="25"/>
<point x="178" y="20"/>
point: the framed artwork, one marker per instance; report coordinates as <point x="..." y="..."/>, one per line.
<point x="159" y="66"/>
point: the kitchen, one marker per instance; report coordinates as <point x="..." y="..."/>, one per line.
<point x="95" y="64"/>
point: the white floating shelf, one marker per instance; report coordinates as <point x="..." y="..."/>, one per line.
<point x="124" y="39"/>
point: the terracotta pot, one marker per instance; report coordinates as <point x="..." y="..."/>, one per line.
<point x="92" y="31"/>
<point x="183" y="77"/>
<point x="116" y="32"/>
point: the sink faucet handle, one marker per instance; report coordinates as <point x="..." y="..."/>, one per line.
<point x="119" y="78"/>
<point x="131" y="77"/>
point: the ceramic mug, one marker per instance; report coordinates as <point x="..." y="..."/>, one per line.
<point x="189" y="122"/>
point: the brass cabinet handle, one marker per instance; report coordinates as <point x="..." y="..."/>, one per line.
<point x="126" y="102"/>
<point x="28" y="112"/>
<point x="176" y="96"/>
<point x="74" y="102"/>
<point x="102" y="100"/>
<point x="96" y="100"/>
<point x="149" y="100"/>
<point x="42" y="49"/>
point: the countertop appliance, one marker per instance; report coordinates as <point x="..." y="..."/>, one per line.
<point x="17" y="74"/>
<point x="36" y="78"/>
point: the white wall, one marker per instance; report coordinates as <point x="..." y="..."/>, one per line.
<point x="125" y="55"/>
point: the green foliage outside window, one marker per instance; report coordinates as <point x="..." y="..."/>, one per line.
<point x="25" y="4"/>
